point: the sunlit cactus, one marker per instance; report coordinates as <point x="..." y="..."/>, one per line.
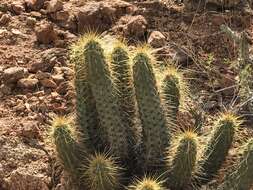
<point x="107" y="102"/>
<point x="66" y="146"/>
<point x="101" y="173"/>
<point x="123" y="80"/>
<point x="182" y="160"/>
<point x="218" y="146"/>
<point x="155" y="129"/>
<point x="173" y="89"/>
<point x="147" y="183"/>
<point x="87" y="116"/>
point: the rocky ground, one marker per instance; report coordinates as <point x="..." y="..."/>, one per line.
<point x="36" y="77"/>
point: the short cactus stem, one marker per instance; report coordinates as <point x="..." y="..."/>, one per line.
<point x="87" y="116"/>
<point x="67" y="148"/>
<point x="101" y="173"/>
<point x="241" y="178"/>
<point x="107" y="103"/>
<point x="155" y="129"/>
<point x="218" y="146"/>
<point x="123" y="80"/>
<point x="172" y="90"/>
<point x="182" y="162"/>
<point x="147" y="183"/>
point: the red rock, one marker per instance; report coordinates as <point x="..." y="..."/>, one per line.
<point x="48" y="83"/>
<point x="28" y="83"/>
<point x="17" y="8"/>
<point x="101" y="15"/>
<point x="157" y="39"/>
<point x="135" y="27"/>
<point x="45" y="33"/>
<point x="54" y="6"/>
<point x="34" y="4"/>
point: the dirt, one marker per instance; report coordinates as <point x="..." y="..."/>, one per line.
<point x="195" y="39"/>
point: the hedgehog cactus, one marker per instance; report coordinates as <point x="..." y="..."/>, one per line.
<point x="182" y="161"/>
<point x="104" y="93"/>
<point x="101" y="173"/>
<point x="147" y="183"/>
<point x="241" y="178"/>
<point x="66" y="146"/>
<point x="114" y="98"/>
<point x="156" y="135"/>
<point x="219" y="145"/>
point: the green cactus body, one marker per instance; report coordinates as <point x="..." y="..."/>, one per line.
<point x="120" y="64"/>
<point x="147" y="183"/>
<point x="241" y="177"/>
<point x="104" y="92"/>
<point x="182" y="164"/>
<point x="217" y="148"/>
<point x="155" y="131"/>
<point x="171" y="92"/>
<point x="66" y="146"/>
<point x="101" y="173"/>
<point x="87" y="116"/>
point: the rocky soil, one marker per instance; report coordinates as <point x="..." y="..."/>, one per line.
<point x="36" y="77"/>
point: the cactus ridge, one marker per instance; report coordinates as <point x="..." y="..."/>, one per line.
<point x="104" y="92"/>
<point x="101" y="173"/>
<point x="155" y="130"/>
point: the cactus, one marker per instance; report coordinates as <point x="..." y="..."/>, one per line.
<point x="156" y="135"/>
<point x="173" y="89"/>
<point x="87" y="116"/>
<point x="147" y="183"/>
<point x="66" y="146"/>
<point x="241" y="178"/>
<point x="104" y="92"/>
<point x="182" y="161"/>
<point x="102" y="173"/>
<point x="121" y="68"/>
<point x="217" y="148"/>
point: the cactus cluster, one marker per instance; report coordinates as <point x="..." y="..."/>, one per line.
<point x="126" y="118"/>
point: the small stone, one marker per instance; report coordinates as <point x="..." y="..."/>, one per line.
<point x="63" y="88"/>
<point x="13" y="74"/>
<point x="54" y="6"/>
<point x="17" y="8"/>
<point x="157" y="39"/>
<point x="5" y="90"/>
<point x="34" y="4"/>
<point x="58" y="78"/>
<point x="136" y="26"/>
<point x="5" y="19"/>
<point x="30" y="130"/>
<point x="28" y="83"/>
<point x="48" y="83"/>
<point x="30" y="21"/>
<point x="61" y="16"/>
<point x="45" y="33"/>
<point x="42" y="75"/>
<point x="35" y="14"/>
